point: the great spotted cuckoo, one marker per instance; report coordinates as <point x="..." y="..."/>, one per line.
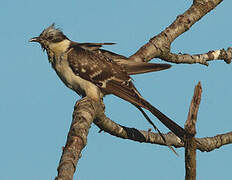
<point x="93" y="72"/>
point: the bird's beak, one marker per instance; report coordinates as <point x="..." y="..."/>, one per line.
<point x="34" y="39"/>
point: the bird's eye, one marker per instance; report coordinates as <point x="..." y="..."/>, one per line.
<point x="49" y="38"/>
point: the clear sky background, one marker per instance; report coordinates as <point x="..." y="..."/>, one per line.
<point x="36" y="108"/>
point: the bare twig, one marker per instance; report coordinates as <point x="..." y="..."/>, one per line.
<point x="190" y="127"/>
<point x="211" y="143"/>
<point x="109" y="126"/>
<point x="142" y="136"/>
<point x="193" y="110"/>
<point x="221" y="54"/>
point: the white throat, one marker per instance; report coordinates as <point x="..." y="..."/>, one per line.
<point x="60" y="47"/>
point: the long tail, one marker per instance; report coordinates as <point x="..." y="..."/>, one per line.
<point x="130" y="94"/>
<point x="174" y="127"/>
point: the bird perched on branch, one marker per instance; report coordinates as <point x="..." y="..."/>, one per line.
<point x="94" y="73"/>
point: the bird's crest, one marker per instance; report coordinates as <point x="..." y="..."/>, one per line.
<point x="53" y="34"/>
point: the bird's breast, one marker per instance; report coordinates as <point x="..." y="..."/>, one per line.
<point x="75" y="82"/>
<point x="66" y="74"/>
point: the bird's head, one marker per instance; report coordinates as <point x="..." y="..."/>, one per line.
<point x="49" y="36"/>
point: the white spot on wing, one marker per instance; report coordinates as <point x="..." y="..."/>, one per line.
<point x="83" y="70"/>
<point x="95" y="73"/>
<point x="107" y="80"/>
<point x="84" y="64"/>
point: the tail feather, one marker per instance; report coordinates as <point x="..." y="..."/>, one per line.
<point x="161" y="135"/>
<point x="130" y="94"/>
<point x="174" y="127"/>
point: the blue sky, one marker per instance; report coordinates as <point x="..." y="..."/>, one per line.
<point x="36" y="108"/>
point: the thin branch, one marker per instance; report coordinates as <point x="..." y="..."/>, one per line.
<point x="205" y="144"/>
<point x="220" y="54"/>
<point x="190" y="127"/>
<point x="208" y="144"/>
<point x="193" y="110"/>
<point x="109" y="126"/>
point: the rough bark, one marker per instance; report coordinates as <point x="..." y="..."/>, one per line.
<point x="84" y="113"/>
<point x="190" y="142"/>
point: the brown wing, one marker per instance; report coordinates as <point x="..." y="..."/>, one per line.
<point x="131" y="67"/>
<point x="96" y="68"/>
<point x="110" y="77"/>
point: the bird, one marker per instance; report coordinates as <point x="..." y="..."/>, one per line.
<point x="94" y="72"/>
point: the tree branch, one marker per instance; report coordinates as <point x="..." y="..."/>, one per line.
<point x="109" y="126"/>
<point x="83" y="115"/>
<point x="190" y="127"/>
<point x="211" y="143"/>
<point x="205" y="144"/>
<point x="220" y="54"/>
<point x="159" y="45"/>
